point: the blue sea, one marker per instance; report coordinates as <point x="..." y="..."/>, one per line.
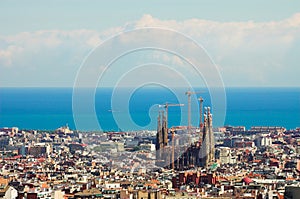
<point x="50" y="108"/>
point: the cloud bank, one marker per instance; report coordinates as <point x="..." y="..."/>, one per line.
<point x="247" y="53"/>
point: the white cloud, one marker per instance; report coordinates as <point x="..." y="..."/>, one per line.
<point x="239" y="48"/>
<point x="254" y="51"/>
<point x="7" y="55"/>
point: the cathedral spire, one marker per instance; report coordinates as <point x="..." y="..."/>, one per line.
<point x="207" y="151"/>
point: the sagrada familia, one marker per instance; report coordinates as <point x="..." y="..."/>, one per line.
<point x="185" y="154"/>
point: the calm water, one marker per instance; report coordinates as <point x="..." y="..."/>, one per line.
<point x="50" y="108"/>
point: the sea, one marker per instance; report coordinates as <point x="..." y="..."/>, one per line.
<point x="51" y="108"/>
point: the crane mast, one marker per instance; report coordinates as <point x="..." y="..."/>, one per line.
<point x="189" y="93"/>
<point x="166" y="106"/>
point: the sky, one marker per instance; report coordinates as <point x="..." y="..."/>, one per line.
<point x="252" y="43"/>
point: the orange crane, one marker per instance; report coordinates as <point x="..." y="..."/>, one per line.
<point x="189" y="93"/>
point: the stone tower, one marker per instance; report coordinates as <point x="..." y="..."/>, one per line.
<point x="207" y="151"/>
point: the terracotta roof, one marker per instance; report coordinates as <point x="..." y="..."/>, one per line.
<point x="45" y="186"/>
<point x="155" y="181"/>
<point x="247" y="180"/>
<point x="290" y="179"/>
<point x="150" y="185"/>
<point x="257" y="161"/>
<point x="3" y="181"/>
<point x="274" y="160"/>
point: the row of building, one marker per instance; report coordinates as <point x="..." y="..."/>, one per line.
<point x="167" y="163"/>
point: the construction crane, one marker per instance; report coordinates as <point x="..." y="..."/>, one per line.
<point x="166" y="106"/>
<point x="189" y="93"/>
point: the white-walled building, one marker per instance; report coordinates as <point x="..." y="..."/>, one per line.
<point x="11" y="193"/>
<point x="263" y="140"/>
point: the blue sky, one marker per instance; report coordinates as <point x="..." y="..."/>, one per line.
<point x="254" y="43"/>
<point x="17" y="16"/>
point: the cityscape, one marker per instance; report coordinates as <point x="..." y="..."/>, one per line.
<point x="133" y="99"/>
<point x="177" y="162"/>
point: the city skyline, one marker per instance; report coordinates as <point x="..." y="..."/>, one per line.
<point x="149" y="100"/>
